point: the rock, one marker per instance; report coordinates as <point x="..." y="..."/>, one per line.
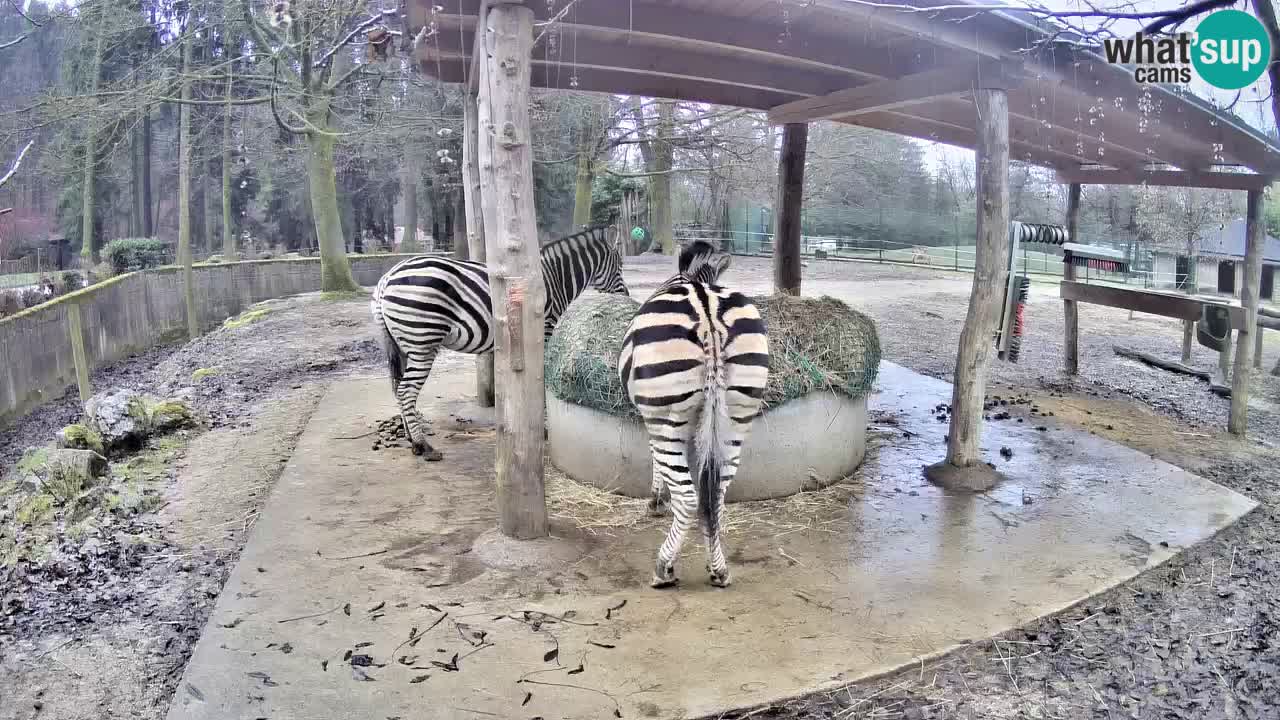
<point x="820" y="254"/>
<point x="86" y="465"/>
<point x="265" y="256"/>
<point x="80" y="437"/>
<point x="119" y="418"/>
<point x="124" y="420"/>
<point x="169" y="415"/>
<point x="31" y="483"/>
<point x="214" y="259"/>
<point x="61" y="473"/>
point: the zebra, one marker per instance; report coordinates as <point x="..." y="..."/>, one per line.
<point x="426" y="303"/>
<point x="694" y="362"/>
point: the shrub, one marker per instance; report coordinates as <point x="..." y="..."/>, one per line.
<point x="32" y="297"/>
<point x="72" y="281"/>
<point x="10" y="304"/>
<point x="130" y="254"/>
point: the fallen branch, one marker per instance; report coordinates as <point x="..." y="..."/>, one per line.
<point x="1174" y="367"/>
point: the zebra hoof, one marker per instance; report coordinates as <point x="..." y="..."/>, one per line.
<point x="656" y="507"/>
<point x="659" y="584"/>
<point x="428" y="453"/>
<point x="664" y="576"/>
<point x="721" y="580"/>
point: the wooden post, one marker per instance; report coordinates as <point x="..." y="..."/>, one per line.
<point x="475" y="226"/>
<point x="963" y="467"/>
<point x="786" y="239"/>
<point x="75" y="326"/>
<point x="1254" y="235"/>
<point x="512" y="252"/>
<point x="1257" y="349"/>
<point x="1071" y="334"/>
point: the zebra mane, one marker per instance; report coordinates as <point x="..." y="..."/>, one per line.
<point x="701" y="262"/>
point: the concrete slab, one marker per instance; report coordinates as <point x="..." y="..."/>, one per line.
<point x="905" y="571"/>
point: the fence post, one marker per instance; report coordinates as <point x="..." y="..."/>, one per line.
<point x="75" y="328"/>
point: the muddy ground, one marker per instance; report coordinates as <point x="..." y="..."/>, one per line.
<point x="1192" y="639"/>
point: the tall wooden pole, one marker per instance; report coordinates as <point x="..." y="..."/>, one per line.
<point x="1071" y="334"/>
<point x="963" y="466"/>
<point x="786" y="240"/>
<point x="1249" y="291"/>
<point x="512" y="252"/>
<point x="475" y="225"/>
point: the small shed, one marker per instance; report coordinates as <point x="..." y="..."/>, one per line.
<point x="1005" y="84"/>
<point x="1219" y="263"/>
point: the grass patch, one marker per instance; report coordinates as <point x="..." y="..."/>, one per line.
<point x="32" y="461"/>
<point x="34" y="510"/>
<point x="203" y="373"/>
<point x="247" y="317"/>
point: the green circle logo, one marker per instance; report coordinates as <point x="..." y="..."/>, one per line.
<point x="1231" y="49"/>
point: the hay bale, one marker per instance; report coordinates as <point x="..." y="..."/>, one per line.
<point x="815" y="344"/>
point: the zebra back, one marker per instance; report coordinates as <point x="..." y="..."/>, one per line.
<point x="575" y="262"/>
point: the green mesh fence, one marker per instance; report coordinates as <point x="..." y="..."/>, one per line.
<point x="814" y="344"/>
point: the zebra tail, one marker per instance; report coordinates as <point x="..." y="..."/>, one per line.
<point x="709" y="443"/>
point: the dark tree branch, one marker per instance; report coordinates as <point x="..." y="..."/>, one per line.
<point x="362" y="27"/>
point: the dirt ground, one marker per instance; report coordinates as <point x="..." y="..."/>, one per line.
<point x="1193" y="639"/>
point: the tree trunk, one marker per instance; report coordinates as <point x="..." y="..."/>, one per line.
<point x="335" y="270"/>
<point x="660" y="202"/>
<point x="582" y="188"/>
<point x="513" y="255"/>
<point x="210" y="183"/>
<point x="228" y="230"/>
<point x="409" y="188"/>
<point x="148" y="207"/>
<point x="137" y="209"/>
<point x="90" y="242"/>
<point x="184" y="196"/>
<point x="786" y="248"/>
<point x="989" y="277"/>
<point x="461" y="250"/>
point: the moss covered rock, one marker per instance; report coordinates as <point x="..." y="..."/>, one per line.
<point x="169" y="415"/>
<point x="79" y="436"/>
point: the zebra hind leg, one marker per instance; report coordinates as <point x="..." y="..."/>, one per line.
<point x="660" y="498"/>
<point x="717" y="565"/>
<point x="684" y="506"/>
<point x="417" y="369"/>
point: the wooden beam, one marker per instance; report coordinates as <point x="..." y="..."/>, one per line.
<point x="886" y="94"/>
<point x="1071" y="334"/>
<point x="1255" y="239"/>
<point x="989" y="276"/>
<point x="907" y="122"/>
<point x="1166" y="178"/>
<point x="75" y="330"/>
<point x="644" y="23"/>
<point x="609" y="50"/>
<point x="512" y="252"/>
<point x="786" y="243"/>
<point x="475" y="225"/>
<point x="1180" y="307"/>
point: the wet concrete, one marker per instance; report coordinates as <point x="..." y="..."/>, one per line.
<point x="910" y="572"/>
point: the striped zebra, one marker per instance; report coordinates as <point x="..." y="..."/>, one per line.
<point x="426" y="303"/>
<point x="694" y="361"/>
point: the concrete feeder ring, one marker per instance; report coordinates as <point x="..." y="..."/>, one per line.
<point x="813" y="432"/>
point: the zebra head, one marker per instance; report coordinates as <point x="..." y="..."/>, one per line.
<point x="607" y="277"/>
<point x="701" y="262"/>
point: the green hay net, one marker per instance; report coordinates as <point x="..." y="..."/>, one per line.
<point x="814" y="344"/>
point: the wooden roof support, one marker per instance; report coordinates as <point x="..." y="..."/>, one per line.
<point x="1071" y="333"/>
<point x="1255" y="237"/>
<point x="786" y="240"/>
<point x="963" y="468"/>
<point x="475" y="225"/>
<point x="891" y="94"/>
<point x="515" y="270"/>
<point x="1166" y="178"/>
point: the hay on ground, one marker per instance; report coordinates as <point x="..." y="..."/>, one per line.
<point x="815" y="344"/>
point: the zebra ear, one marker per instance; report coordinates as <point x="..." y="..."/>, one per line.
<point x="722" y="264"/>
